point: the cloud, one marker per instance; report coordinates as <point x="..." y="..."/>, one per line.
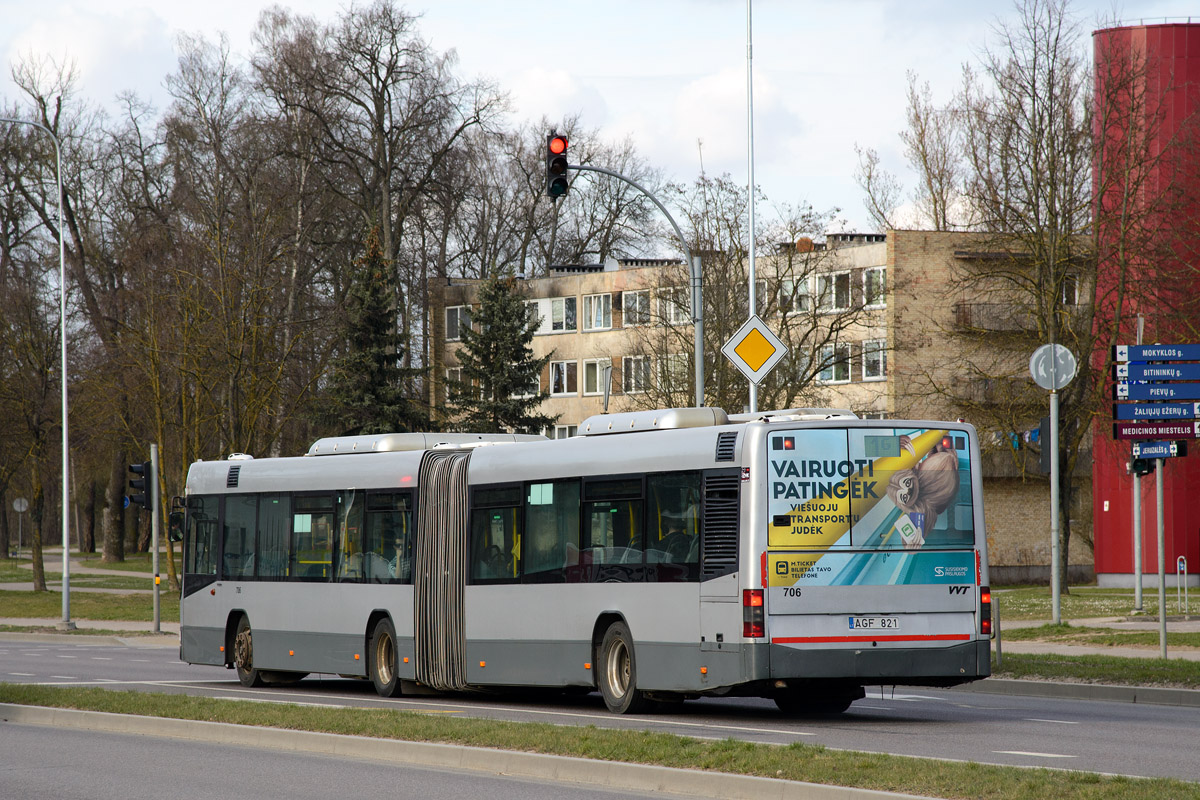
<point x="112" y="51"/>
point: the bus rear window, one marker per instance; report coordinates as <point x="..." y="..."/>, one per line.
<point x="870" y="488"/>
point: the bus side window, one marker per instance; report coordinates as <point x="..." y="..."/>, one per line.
<point x="551" y="529"/>
<point x="350" y="536"/>
<point x="274" y="524"/>
<point x="388" y="544"/>
<point x="614" y="538"/>
<point x="237" y="551"/>
<point x="673" y="525"/>
<point x="312" y="536"/>
<point x="200" y="536"/>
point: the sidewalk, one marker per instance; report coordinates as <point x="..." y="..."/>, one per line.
<point x="1178" y="625"/>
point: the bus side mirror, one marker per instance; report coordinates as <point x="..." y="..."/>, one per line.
<point x="175" y="526"/>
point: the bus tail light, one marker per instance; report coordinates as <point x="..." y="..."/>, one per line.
<point x="753" y="621"/>
<point x="985" y="610"/>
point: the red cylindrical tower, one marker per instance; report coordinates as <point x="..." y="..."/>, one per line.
<point x="1146" y="188"/>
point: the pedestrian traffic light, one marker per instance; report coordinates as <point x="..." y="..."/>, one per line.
<point x="143" y="485"/>
<point x="556" y="165"/>
<point x="1141" y="466"/>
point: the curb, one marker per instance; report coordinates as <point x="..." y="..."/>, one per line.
<point x="88" y="640"/>
<point x="1147" y="695"/>
<point x="586" y="771"/>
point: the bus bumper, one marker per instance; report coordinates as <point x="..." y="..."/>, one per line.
<point x="912" y="666"/>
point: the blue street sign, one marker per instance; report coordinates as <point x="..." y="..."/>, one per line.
<point x="1127" y="411"/>
<point x="1156" y="391"/>
<point x="1156" y="372"/>
<point x="1159" y="449"/>
<point x="1156" y="430"/>
<point x="1156" y="352"/>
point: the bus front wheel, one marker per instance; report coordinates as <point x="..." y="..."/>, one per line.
<point x="618" y="672"/>
<point x="383" y="659"/>
<point x="243" y="655"/>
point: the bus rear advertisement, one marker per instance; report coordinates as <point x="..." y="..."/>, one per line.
<point x="799" y="555"/>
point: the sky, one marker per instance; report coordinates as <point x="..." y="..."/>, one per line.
<point x="669" y="74"/>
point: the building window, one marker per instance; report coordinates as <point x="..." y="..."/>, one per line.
<point x="533" y="316"/>
<point x="562" y="431"/>
<point x="874" y="360"/>
<point x="532" y="390"/>
<point x="593" y="375"/>
<point x="875" y="286"/>
<point x="562" y="314"/>
<point x="836" y="358"/>
<point x="673" y="372"/>
<point x="637" y="307"/>
<point x="453" y="374"/>
<point x="635" y="374"/>
<point x="597" y="312"/>
<point x="833" y="291"/>
<point x="1070" y="290"/>
<point x="794" y="295"/>
<point x="457" y="318"/>
<point x="564" y="378"/>
<point x="674" y="305"/>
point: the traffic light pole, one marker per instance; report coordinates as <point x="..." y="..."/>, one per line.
<point x="693" y="267"/>
<point x="154" y="527"/>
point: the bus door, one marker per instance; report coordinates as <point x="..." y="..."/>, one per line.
<point x="871" y="538"/>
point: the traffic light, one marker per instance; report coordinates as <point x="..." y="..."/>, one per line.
<point x="1047" y="445"/>
<point x="143" y="485"/>
<point x="1141" y="466"/>
<point x="556" y="165"/>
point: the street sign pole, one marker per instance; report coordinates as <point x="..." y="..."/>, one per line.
<point x="1162" y="556"/>
<point x="1055" y="557"/>
<point x="1053" y="367"/>
<point x="1137" y="543"/>
<point x="152" y="491"/>
<point x="1137" y="511"/>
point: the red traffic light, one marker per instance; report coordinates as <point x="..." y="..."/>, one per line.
<point x="557" y="145"/>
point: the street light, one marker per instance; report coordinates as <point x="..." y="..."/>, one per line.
<point x="66" y="623"/>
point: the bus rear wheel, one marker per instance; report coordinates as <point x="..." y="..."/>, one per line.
<point x="618" y="672"/>
<point x="383" y="659"/>
<point x="243" y="655"/>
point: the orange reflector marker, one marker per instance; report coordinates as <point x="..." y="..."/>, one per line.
<point x="406" y="659"/>
<point x="222" y="648"/>
<point x="356" y="656"/>
<point x="483" y="663"/>
<point x="587" y="665"/>
<point x="704" y="670"/>
<point x="157" y="580"/>
<point x="291" y="652"/>
<point x="213" y="592"/>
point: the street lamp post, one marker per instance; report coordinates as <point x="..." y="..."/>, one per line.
<point x="66" y="623"/>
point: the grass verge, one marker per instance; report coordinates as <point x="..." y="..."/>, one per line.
<point x="1104" y="637"/>
<point x="1077" y="602"/>
<point x="1111" y="670"/>
<point x="799" y="762"/>
<point x="87" y="605"/>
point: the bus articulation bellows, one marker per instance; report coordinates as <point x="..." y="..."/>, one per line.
<point x="659" y="555"/>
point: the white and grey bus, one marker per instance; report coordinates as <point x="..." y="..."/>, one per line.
<point x="661" y="555"/>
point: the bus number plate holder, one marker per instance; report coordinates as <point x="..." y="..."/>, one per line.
<point x="874" y="623"/>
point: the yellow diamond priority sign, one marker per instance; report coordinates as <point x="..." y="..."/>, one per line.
<point x="755" y="349"/>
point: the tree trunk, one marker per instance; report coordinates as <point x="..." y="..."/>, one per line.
<point x="87" y="534"/>
<point x="114" y="511"/>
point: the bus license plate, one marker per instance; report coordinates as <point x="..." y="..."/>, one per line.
<point x="874" y="623"/>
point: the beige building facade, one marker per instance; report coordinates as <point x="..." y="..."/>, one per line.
<point x="897" y="302"/>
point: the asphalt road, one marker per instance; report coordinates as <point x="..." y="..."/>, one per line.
<point x="1118" y="738"/>
<point x="41" y="763"/>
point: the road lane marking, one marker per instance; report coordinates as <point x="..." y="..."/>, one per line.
<point x="23" y="674"/>
<point x="1055" y="721"/>
<point x="1032" y="755"/>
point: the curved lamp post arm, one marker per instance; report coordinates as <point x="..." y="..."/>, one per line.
<point x="697" y="293"/>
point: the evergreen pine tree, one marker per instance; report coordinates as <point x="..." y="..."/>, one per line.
<point x="498" y="367"/>
<point x="368" y="388"/>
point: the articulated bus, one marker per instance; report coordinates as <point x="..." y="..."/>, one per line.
<point x="798" y="555"/>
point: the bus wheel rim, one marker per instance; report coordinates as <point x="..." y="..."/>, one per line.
<point x="384" y="656"/>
